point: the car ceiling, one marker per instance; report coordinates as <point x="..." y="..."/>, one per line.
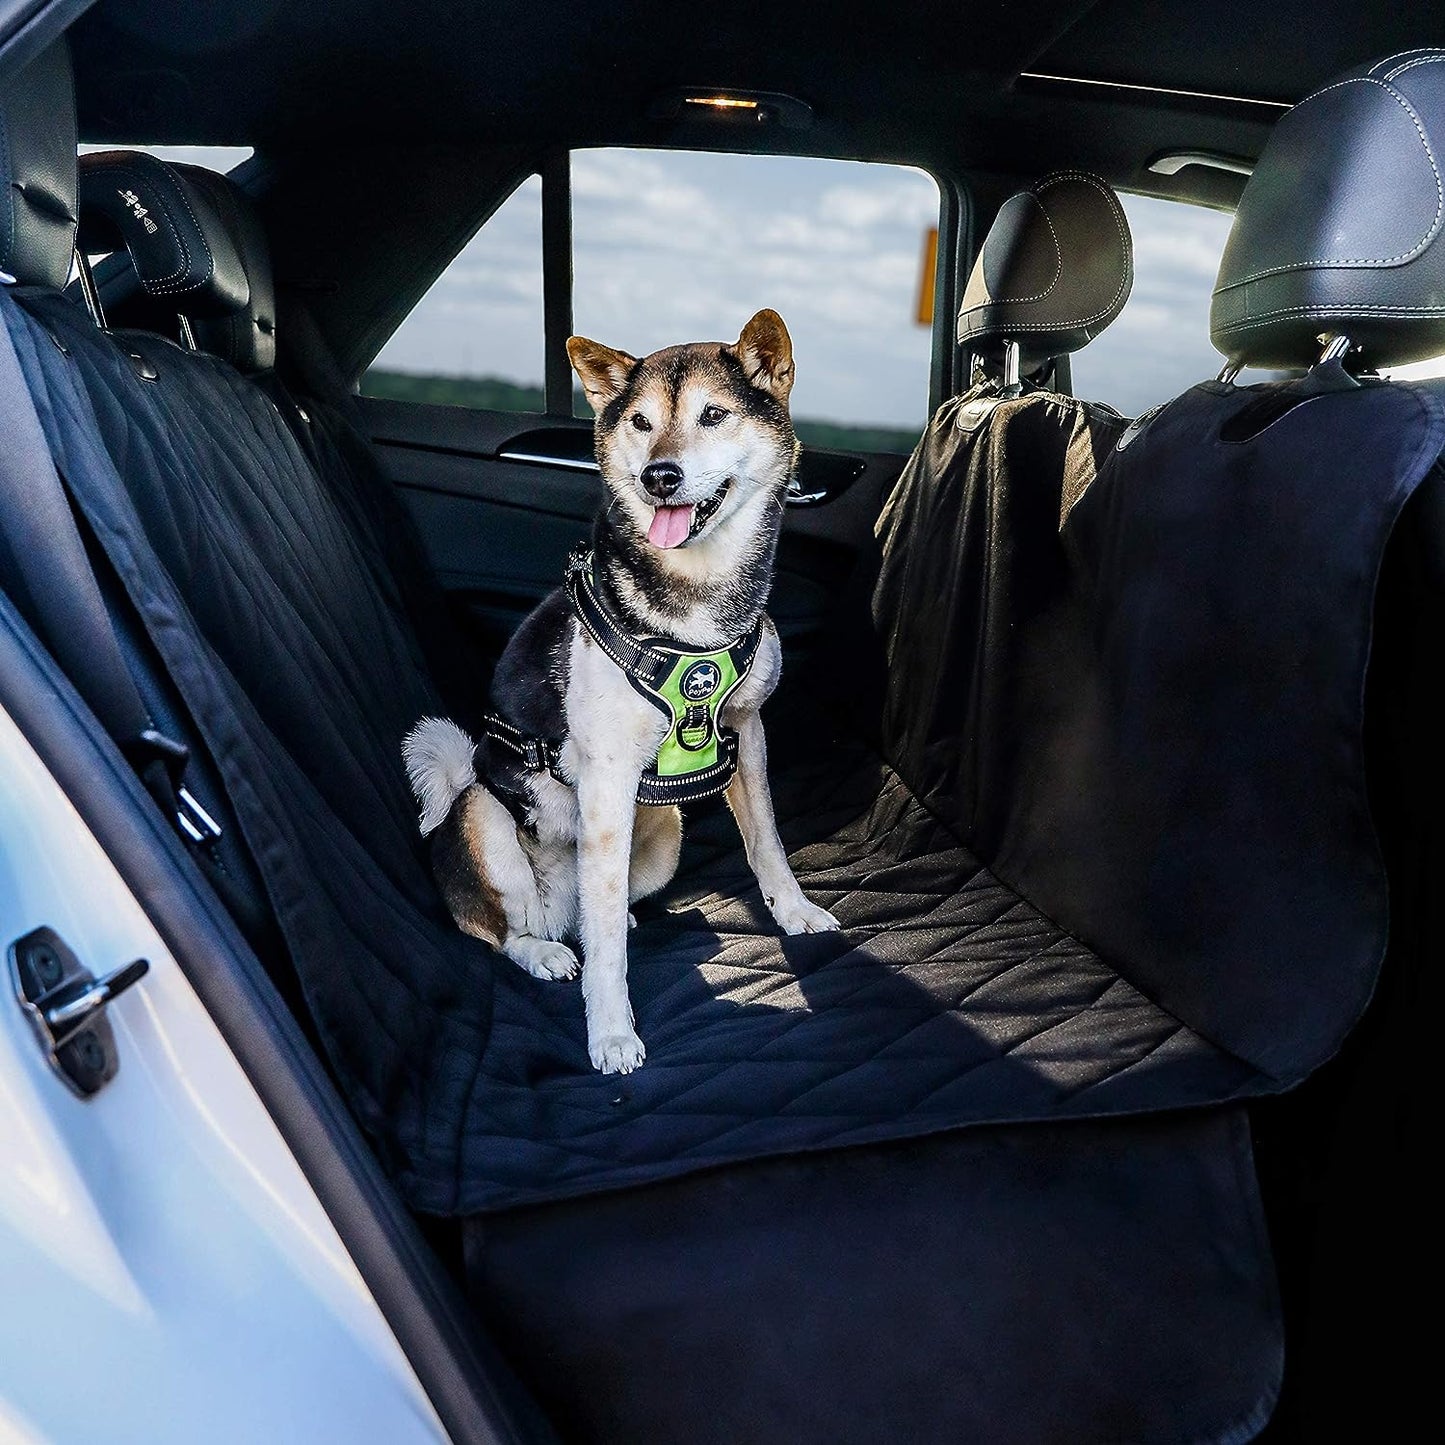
<point x="936" y="84"/>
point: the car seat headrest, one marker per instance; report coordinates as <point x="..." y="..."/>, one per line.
<point x="180" y="247"/>
<point x="245" y="337"/>
<point x="37" y="170"/>
<point x="1340" y="227"/>
<point x="1055" y="269"/>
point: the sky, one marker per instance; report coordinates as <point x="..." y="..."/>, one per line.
<point x="676" y="247"/>
<point x="214" y="158"/>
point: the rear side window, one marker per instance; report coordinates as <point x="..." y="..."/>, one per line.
<point x="475" y="338"/>
<point x="212" y="158"/>
<point x="1417" y="370"/>
<point x="673" y="246"/>
<point x="1160" y="344"/>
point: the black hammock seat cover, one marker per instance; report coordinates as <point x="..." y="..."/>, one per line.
<point x="1115" y="856"/>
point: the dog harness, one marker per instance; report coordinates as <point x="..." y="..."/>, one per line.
<point x="698" y="756"/>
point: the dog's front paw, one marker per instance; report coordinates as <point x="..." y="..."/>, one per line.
<point x="541" y="957"/>
<point x="616" y="1053"/>
<point x="797" y="915"/>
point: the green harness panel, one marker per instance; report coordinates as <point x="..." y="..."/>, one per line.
<point x="694" y="692"/>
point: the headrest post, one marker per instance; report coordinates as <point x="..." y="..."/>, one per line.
<point x="1228" y="372"/>
<point x="88" y="289"/>
<point x="1336" y="346"/>
<point x="188" y="337"/>
<point x="1011" y="365"/>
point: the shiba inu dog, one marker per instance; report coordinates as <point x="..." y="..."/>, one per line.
<point x="636" y="684"/>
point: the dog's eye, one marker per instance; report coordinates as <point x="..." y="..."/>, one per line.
<point x="712" y="415"/>
<point x="641" y="422"/>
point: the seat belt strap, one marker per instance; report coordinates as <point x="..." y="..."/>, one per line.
<point x="46" y="570"/>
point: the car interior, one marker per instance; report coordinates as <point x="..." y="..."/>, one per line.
<point x="1109" y="740"/>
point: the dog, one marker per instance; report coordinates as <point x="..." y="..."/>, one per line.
<point x="562" y="815"/>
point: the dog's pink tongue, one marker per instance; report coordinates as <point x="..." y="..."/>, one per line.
<point x="669" y="526"/>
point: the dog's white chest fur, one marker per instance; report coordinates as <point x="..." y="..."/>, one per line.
<point x="610" y="726"/>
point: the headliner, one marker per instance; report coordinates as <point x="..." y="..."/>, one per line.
<point x="935" y="84"/>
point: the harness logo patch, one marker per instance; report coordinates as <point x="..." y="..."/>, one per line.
<point x="700" y="681"/>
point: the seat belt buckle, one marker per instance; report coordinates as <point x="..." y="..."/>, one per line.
<point x="153" y="746"/>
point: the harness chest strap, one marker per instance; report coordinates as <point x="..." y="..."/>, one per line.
<point x="698" y="756"/>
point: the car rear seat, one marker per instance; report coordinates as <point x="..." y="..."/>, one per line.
<point x="249" y="574"/>
<point x="318" y="662"/>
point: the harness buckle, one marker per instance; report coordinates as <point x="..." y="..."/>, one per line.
<point x="694" y="728"/>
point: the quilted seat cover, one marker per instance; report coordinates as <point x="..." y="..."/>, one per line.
<point x="1130" y="905"/>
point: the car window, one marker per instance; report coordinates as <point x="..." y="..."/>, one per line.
<point x="1160" y="344"/>
<point x="1417" y="370"/>
<point x="213" y="158"/>
<point x="685" y="246"/>
<point x="674" y="246"/>
<point x="476" y="337"/>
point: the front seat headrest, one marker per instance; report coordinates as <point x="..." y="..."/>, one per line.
<point x="37" y="170"/>
<point x="1055" y="269"/>
<point x="181" y="248"/>
<point x="1340" y="226"/>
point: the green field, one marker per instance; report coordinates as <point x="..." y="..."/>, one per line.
<point x="491" y="393"/>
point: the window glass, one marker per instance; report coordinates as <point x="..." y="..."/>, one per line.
<point x="1417" y="370"/>
<point x="675" y="246"/>
<point x="476" y="337"/>
<point x="1160" y="344"/>
<point x="213" y="158"/>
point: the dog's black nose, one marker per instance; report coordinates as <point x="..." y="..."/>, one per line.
<point x="661" y="479"/>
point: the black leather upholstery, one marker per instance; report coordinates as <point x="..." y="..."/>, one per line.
<point x="1055" y="269"/>
<point x="180" y="245"/>
<point x="1340" y="227"/>
<point x="37" y="171"/>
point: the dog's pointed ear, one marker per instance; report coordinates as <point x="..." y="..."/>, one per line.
<point x="602" y="370"/>
<point x="766" y="352"/>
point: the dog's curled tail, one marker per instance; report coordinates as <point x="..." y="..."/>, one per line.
<point x="438" y="757"/>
